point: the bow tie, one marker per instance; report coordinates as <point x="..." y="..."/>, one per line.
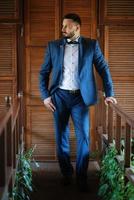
<point x="72" y="42"/>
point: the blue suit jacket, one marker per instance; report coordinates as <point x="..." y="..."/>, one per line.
<point x="90" y="55"/>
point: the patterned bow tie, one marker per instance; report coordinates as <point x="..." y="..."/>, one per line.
<point x="72" y="42"/>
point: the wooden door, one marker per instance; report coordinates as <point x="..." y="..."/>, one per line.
<point x="9" y="18"/>
<point x="43" y="23"/>
<point x="117" y="35"/>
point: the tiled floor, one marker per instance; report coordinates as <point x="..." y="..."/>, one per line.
<point x="47" y="183"/>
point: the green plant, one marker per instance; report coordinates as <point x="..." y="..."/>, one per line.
<point x="111" y="178"/>
<point x="112" y="182"/>
<point x="23" y="180"/>
<point x="129" y="192"/>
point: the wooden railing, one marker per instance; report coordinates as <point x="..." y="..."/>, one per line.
<point x="115" y="125"/>
<point x="10" y="145"/>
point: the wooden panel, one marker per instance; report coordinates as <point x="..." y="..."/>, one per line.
<point x="40" y="124"/>
<point x="8" y="9"/>
<point x="40" y="22"/>
<point x="35" y="85"/>
<point x="37" y="56"/>
<point x="124" y="90"/>
<point x="8" y="63"/>
<point x="34" y="59"/>
<point x="121" y="8"/>
<point x="7" y="49"/>
<point x="116" y="11"/>
<point x="40" y="28"/>
<point x="120" y="49"/>
<point x="84" y="9"/>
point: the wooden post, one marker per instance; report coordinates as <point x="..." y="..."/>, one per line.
<point x="118" y="134"/>
<point x="127" y="145"/>
<point x="2" y="159"/>
<point x="110" y="124"/>
<point x="14" y="147"/>
<point x="104" y="118"/>
<point x="9" y="143"/>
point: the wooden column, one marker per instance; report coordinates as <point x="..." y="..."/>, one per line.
<point x="127" y="145"/>
<point x="118" y="133"/>
<point x="110" y="124"/>
<point x="2" y="158"/>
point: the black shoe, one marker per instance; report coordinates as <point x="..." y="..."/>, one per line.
<point x="66" y="180"/>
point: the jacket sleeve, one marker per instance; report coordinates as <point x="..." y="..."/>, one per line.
<point x="103" y="70"/>
<point x="45" y="74"/>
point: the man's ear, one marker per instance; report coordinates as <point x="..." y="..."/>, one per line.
<point x="78" y="27"/>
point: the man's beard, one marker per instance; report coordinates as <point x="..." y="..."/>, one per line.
<point x="68" y="36"/>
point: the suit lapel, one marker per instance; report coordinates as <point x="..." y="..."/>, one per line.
<point x="62" y="49"/>
<point x="81" y="51"/>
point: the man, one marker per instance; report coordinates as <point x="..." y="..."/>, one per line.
<point x="72" y="91"/>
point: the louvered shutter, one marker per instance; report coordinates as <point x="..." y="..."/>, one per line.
<point x="9" y="9"/>
<point x="40" y="28"/>
<point x="116" y="11"/>
<point x="7" y="63"/>
<point x="119" y="51"/>
<point x="119" y="8"/>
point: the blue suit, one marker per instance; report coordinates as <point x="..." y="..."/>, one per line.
<point x="89" y="54"/>
<point x="75" y="105"/>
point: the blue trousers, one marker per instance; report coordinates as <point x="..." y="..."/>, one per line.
<point x="71" y="105"/>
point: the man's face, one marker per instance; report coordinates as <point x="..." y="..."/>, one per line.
<point x="70" y="28"/>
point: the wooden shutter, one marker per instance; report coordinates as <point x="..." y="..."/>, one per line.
<point x="124" y="89"/>
<point x="113" y="11"/>
<point x="40" y="28"/>
<point x="9" y="9"/>
<point x="119" y="8"/>
<point x="8" y="50"/>
<point x="40" y="125"/>
<point x="119" y="51"/>
<point x="40" y="22"/>
<point x="7" y="62"/>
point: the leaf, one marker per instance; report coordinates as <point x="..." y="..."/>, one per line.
<point x="23" y="180"/>
<point x="103" y="190"/>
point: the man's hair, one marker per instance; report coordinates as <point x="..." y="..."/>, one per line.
<point x="73" y="16"/>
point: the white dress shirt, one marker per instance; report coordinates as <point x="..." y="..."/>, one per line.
<point x="70" y="79"/>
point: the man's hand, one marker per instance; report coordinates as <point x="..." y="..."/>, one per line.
<point x="49" y="105"/>
<point x="110" y="99"/>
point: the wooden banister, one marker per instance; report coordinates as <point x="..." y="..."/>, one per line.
<point x="123" y="114"/>
<point x="119" y="128"/>
<point x="127" y="145"/>
<point x="10" y="140"/>
<point x="4" y="117"/>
